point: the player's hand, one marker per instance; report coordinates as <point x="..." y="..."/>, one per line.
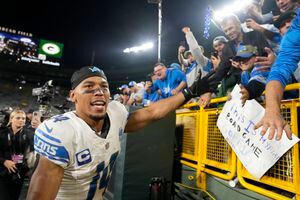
<point x="10" y="165"/>
<point x="265" y="62"/>
<point x="186" y="29"/>
<point x="273" y="121"/>
<point x="245" y="94"/>
<point x="205" y="99"/>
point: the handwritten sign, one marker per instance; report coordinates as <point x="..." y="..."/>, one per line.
<point x="236" y="123"/>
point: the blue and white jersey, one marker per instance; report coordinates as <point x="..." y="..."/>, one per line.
<point x="87" y="159"/>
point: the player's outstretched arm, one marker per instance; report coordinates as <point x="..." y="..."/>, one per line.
<point x="156" y="111"/>
<point x="273" y="118"/>
<point x="45" y="181"/>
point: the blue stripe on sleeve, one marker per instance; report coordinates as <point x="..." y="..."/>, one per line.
<point x="48" y="136"/>
<point x="50" y="150"/>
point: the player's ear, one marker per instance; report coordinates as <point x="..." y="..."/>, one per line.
<point x="72" y="96"/>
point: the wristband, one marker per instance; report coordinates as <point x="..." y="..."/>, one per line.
<point x="188" y="95"/>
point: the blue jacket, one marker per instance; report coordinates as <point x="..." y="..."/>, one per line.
<point x="150" y="97"/>
<point x="289" y="54"/>
<point x="255" y="74"/>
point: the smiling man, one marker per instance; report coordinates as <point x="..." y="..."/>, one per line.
<point x="232" y="28"/>
<point x="78" y="149"/>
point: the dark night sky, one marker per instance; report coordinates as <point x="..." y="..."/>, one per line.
<point x="108" y="27"/>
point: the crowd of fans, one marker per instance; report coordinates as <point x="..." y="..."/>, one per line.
<point x="243" y="56"/>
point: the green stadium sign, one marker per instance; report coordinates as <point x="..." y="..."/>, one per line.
<point x="49" y="48"/>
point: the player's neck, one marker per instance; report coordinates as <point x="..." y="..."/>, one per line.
<point x="95" y="124"/>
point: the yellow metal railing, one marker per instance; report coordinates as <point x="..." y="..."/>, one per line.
<point x="285" y="173"/>
<point x="190" y="138"/>
<point x="213" y="155"/>
<point x="218" y="158"/>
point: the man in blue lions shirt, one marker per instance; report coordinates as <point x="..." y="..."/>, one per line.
<point x="170" y="81"/>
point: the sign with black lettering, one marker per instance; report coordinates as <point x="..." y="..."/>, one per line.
<point x="236" y="123"/>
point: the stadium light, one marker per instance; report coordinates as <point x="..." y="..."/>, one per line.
<point x="159" y="6"/>
<point x="235" y="7"/>
<point x="136" y="49"/>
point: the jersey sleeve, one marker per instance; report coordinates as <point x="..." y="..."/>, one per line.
<point x="119" y="114"/>
<point x="53" y="140"/>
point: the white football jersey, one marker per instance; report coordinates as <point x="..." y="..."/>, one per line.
<point x="87" y="159"/>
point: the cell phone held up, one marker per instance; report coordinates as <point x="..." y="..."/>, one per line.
<point x="215" y="54"/>
<point x="36" y="116"/>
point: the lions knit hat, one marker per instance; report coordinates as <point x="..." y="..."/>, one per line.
<point x="245" y="52"/>
<point x="85" y="72"/>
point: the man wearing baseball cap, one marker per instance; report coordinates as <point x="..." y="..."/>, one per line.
<point x="253" y="80"/>
<point x="125" y="93"/>
<point x="78" y="149"/>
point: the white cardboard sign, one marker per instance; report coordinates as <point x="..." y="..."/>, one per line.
<point x="236" y="123"/>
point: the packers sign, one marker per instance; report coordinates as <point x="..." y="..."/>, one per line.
<point x="49" y="48"/>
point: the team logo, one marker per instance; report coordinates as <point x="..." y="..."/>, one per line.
<point x="95" y="69"/>
<point x="51" y="48"/>
<point x="83" y="157"/>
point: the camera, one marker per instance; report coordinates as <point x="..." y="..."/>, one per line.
<point x="44" y="93"/>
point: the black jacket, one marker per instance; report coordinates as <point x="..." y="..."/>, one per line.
<point x="11" y="144"/>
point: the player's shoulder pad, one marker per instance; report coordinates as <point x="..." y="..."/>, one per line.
<point x="117" y="107"/>
<point x="53" y="138"/>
